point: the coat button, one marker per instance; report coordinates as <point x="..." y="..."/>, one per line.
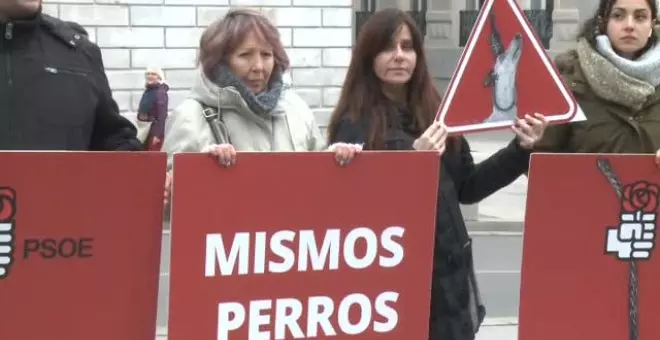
<point x="76" y="36"/>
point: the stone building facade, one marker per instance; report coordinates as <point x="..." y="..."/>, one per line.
<point x="136" y="33"/>
<point x="318" y="35"/>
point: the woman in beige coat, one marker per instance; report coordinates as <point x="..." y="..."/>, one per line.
<point x="239" y="102"/>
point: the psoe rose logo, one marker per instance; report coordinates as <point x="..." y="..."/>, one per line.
<point x="634" y="238"/>
<point x="7" y="229"/>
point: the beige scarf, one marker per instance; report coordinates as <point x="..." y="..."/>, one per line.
<point x="609" y="81"/>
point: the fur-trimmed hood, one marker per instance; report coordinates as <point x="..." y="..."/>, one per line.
<point x="567" y="61"/>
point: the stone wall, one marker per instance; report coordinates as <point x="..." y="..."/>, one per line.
<point x="135" y="33"/>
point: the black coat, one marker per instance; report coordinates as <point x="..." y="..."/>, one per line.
<point x="54" y="94"/>
<point x="456" y="309"/>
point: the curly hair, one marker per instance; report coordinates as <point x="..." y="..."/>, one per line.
<point x="597" y="24"/>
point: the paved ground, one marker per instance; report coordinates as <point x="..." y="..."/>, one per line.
<point x="499" y="332"/>
<point x="497" y="261"/>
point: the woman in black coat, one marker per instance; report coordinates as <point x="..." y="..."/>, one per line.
<point x="388" y="102"/>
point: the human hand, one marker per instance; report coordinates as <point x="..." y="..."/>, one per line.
<point x="434" y="138"/>
<point x="530" y="130"/>
<point x="345" y="152"/>
<point x="225" y="152"/>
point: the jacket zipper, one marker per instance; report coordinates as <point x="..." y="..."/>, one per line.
<point x="7" y="91"/>
<point x="272" y="133"/>
<point x="54" y="70"/>
<point x="8" y="36"/>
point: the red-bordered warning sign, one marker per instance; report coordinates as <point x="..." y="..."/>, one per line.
<point x="504" y="73"/>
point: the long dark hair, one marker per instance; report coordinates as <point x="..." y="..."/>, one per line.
<point x="597" y="24"/>
<point x="362" y="93"/>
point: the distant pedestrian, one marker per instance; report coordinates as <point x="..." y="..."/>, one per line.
<point x="152" y="111"/>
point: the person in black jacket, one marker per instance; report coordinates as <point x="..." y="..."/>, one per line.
<point x="54" y="94"/>
<point x="388" y="102"/>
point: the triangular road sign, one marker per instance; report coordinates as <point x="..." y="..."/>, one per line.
<point x="504" y="72"/>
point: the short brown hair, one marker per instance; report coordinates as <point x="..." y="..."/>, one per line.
<point x="224" y="35"/>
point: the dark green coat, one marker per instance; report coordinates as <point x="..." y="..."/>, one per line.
<point x="610" y="127"/>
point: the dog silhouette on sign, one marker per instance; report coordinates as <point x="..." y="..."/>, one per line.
<point x="502" y="77"/>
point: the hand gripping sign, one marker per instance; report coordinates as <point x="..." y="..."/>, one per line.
<point x="7" y="224"/>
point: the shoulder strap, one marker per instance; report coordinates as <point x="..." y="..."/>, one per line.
<point x="214" y="117"/>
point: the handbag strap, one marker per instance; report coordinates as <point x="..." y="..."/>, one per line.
<point x="216" y="122"/>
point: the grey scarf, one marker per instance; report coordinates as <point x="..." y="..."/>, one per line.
<point x="262" y="104"/>
<point x="623" y="81"/>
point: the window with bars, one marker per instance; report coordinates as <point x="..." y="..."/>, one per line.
<point x="473" y="5"/>
<point x="536" y="4"/>
<point x="418" y="10"/>
<point x="538" y="12"/>
<point x="526" y="4"/>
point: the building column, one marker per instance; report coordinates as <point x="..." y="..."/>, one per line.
<point x="586" y="9"/>
<point x="565" y="24"/>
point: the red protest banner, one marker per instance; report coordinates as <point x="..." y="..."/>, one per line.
<point x="284" y="246"/>
<point x="80" y="241"/>
<point x="588" y="251"/>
